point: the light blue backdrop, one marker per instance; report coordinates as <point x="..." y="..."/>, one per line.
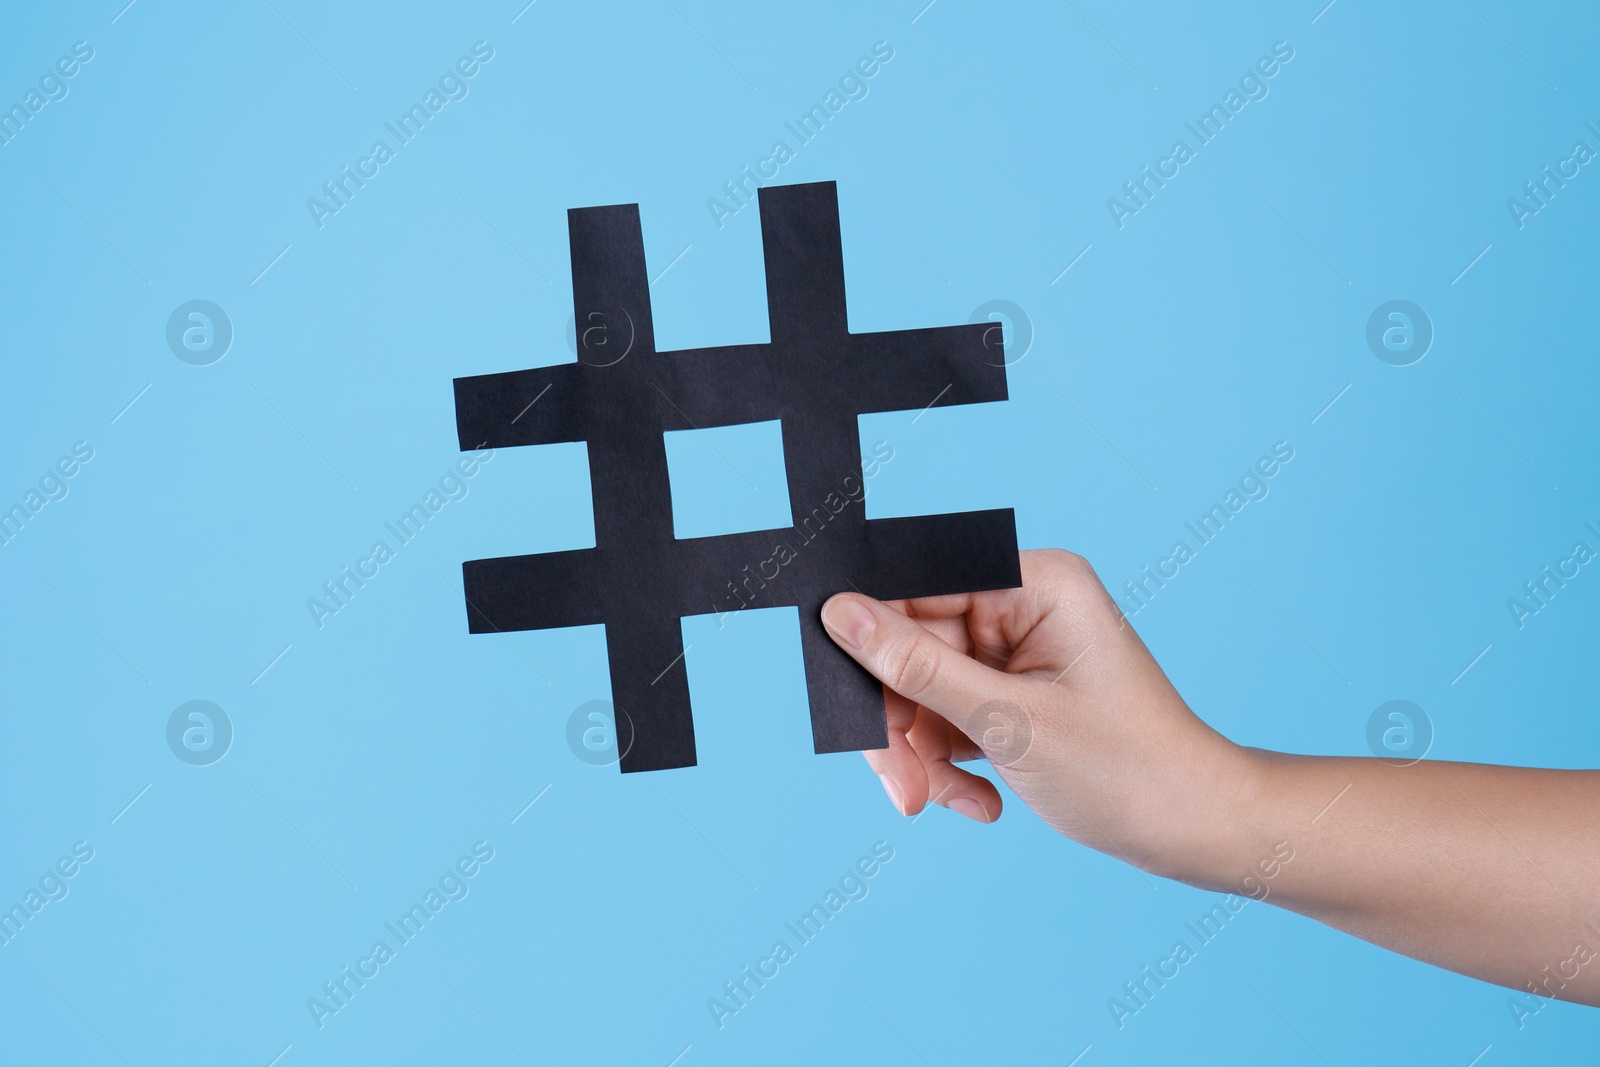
<point x="1227" y="314"/>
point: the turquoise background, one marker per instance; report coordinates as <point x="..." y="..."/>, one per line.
<point x="369" y="754"/>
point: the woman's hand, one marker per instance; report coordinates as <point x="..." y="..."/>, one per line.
<point x="1051" y="685"/>
<point x="1483" y="869"/>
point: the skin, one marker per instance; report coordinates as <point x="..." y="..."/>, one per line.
<point x="1489" y="871"/>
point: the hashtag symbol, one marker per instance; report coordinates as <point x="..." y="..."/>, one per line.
<point x="622" y="395"/>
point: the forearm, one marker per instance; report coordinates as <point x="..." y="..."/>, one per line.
<point x="1485" y="870"/>
<point x="1490" y="871"/>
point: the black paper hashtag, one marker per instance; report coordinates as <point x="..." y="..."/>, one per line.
<point x="622" y="396"/>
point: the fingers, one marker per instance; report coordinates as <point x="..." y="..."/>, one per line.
<point x="1021" y="630"/>
<point x="916" y="767"/>
<point x="910" y="659"/>
<point x="959" y="790"/>
<point x="963" y="748"/>
<point x="964" y="792"/>
<point x="948" y="654"/>
<point x="899" y="767"/>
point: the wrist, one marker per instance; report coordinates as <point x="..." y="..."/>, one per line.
<point x="1208" y="834"/>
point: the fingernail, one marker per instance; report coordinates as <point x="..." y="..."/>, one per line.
<point x="894" y="793"/>
<point x="851" y="621"/>
<point x="970" y="808"/>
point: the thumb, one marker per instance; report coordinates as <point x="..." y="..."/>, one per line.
<point x="911" y="660"/>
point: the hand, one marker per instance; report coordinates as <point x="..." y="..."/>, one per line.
<point x="1486" y="870"/>
<point x="1051" y="684"/>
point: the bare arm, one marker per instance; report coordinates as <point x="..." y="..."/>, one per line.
<point x="1490" y="871"/>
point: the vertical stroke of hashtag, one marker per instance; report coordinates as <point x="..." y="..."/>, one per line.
<point x="622" y="395"/>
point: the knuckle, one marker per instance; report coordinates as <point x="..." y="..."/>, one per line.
<point x="1077" y="571"/>
<point x="1065" y="563"/>
<point x="911" y="666"/>
<point x="1076" y="564"/>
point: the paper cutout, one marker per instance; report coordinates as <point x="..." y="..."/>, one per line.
<point x="622" y="395"/>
